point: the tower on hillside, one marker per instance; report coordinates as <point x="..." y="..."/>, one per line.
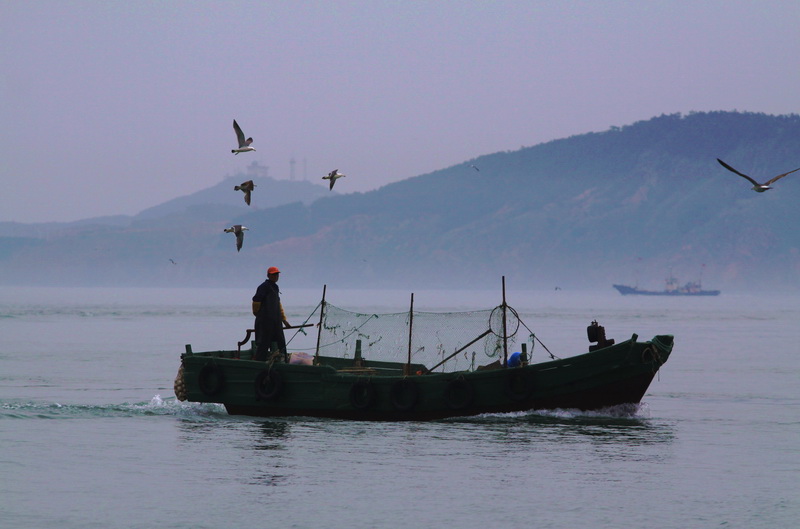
<point x="254" y="170"/>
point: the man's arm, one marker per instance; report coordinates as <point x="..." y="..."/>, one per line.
<point x="256" y="307"/>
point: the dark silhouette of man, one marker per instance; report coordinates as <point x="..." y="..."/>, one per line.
<point x="270" y="317"/>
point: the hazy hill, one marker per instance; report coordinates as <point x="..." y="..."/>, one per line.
<point x="219" y="201"/>
<point x="580" y="212"/>
<point x="268" y="193"/>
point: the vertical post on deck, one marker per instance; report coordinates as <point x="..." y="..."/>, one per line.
<point x="505" y="335"/>
<point x="407" y="370"/>
<point x="319" y="327"/>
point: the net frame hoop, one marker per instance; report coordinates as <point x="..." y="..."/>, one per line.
<point x="509" y="322"/>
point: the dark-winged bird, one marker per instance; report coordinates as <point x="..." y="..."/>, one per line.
<point x="758" y="188"/>
<point x="246" y="188"/>
<point x="244" y="144"/>
<point x="332" y="176"/>
<point x="238" y="230"/>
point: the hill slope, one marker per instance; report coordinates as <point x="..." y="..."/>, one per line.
<point x="583" y="211"/>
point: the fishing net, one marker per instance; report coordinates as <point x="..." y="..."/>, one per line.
<point x="434" y="336"/>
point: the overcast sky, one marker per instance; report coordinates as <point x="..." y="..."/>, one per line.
<point x="110" y="107"/>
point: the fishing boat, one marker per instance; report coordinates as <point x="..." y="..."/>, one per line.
<point x="672" y="287"/>
<point x="415" y="366"/>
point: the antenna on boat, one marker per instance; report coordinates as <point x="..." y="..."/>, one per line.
<point x="319" y="327"/>
<point x="505" y="334"/>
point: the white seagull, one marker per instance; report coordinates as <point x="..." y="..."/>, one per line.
<point x="246" y="188"/>
<point x="332" y="176"/>
<point x="238" y="230"/>
<point x="244" y="144"/>
<point x="758" y="188"/>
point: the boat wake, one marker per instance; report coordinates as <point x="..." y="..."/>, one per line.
<point x="192" y="411"/>
<point x="622" y="411"/>
<point x="157" y="406"/>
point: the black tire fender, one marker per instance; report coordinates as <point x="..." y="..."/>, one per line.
<point x="268" y="384"/>
<point x="362" y="394"/>
<point x="211" y="379"/>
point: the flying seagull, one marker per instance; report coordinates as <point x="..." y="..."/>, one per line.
<point x="475" y="167"/>
<point x="244" y="144"/>
<point x="332" y="176"/>
<point x="172" y="261"/>
<point x="238" y="230"/>
<point x="758" y="188"/>
<point x="246" y="188"/>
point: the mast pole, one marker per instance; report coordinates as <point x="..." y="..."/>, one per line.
<point x="505" y="334"/>
<point x="410" y="330"/>
<point x="319" y="327"/>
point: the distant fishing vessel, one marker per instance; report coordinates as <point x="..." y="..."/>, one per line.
<point x="672" y="288"/>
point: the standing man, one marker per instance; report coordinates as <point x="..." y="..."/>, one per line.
<point x="270" y="317"/>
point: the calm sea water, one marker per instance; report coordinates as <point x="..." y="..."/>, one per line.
<point x="93" y="437"/>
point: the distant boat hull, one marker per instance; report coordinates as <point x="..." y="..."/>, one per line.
<point x="626" y="290"/>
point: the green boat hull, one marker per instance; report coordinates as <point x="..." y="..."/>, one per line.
<point x="380" y="391"/>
